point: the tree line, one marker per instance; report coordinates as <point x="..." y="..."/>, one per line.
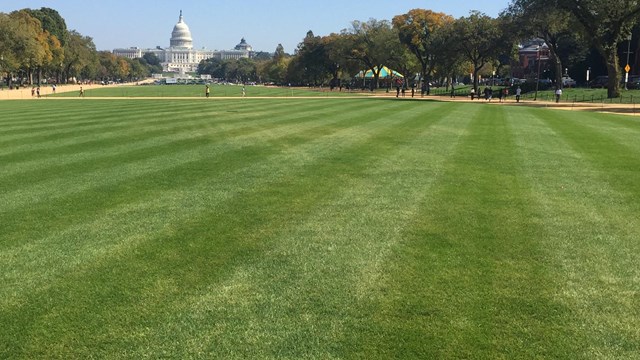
<point x="579" y="34"/>
<point x="35" y="44"/>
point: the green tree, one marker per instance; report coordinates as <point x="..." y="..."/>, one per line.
<point x="80" y="57"/>
<point x="213" y="67"/>
<point x="109" y="66"/>
<point x="9" y="59"/>
<point x="481" y="40"/>
<point x="246" y="70"/>
<point x="153" y="62"/>
<point x="605" y="24"/>
<point x="55" y="28"/>
<point x="138" y="69"/>
<point x="52" y="22"/>
<point x="447" y="61"/>
<point x="311" y="61"/>
<point x="374" y="44"/>
<point x="416" y="31"/>
<point x="276" y="69"/>
<point x="32" y="46"/>
<point x="554" y="25"/>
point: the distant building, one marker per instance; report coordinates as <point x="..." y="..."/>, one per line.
<point x="180" y="56"/>
<point x="530" y="54"/>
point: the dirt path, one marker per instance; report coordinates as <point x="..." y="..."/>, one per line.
<point x="624" y="109"/>
<point x="25" y="93"/>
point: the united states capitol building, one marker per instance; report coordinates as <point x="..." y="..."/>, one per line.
<point x="180" y="56"/>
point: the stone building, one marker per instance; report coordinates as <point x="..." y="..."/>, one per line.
<point x="180" y="56"/>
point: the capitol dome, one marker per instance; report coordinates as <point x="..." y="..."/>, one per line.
<point x="244" y="46"/>
<point x="181" y="35"/>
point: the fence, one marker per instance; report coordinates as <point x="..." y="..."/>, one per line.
<point x="545" y="96"/>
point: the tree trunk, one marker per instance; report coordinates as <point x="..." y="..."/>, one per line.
<point x="476" y="70"/>
<point x="559" y="69"/>
<point x="613" y="70"/>
<point x="475" y="79"/>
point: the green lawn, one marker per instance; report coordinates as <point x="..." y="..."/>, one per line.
<point x="217" y="90"/>
<point x="317" y="228"/>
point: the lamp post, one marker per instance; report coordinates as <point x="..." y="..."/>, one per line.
<point x="627" y="68"/>
<point x="535" y="97"/>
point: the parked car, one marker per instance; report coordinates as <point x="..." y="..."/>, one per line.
<point x="568" y="82"/>
<point x="599" y="82"/>
<point x="634" y="82"/>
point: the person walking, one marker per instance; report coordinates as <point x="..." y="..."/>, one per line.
<point x="518" y="93"/>
<point x="81" y="92"/>
<point x="244" y="91"/>
<point x="207" y="91"/>
<point x="558" y="94"/>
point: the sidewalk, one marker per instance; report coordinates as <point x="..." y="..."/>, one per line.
<point x="623" y="109"/>
<point x="45" y="90"/>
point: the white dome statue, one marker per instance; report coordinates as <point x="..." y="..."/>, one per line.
<point x="181" y="35"/>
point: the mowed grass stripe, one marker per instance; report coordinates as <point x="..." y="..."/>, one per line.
<point x="73" y="184"/>
<point x="592" y="222"/>
<point x="335" y="256"/>
<point x="92" y="111"/>
<point x="137" y="138"/>
<point x="471" y="259"/>
<point x="240" y="226"/>
<point x="617" y="163"/>
<point x="20" y="113"/>
<point x="58" y="148"/>
<point x="623" y="129"/>
<point x="107" y="123"/>
<point x="116" y="169"/>
<point x="76" y="207"/>
<point x="105" y="197"/>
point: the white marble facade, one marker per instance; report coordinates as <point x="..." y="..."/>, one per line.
<point x="180" y="56"/>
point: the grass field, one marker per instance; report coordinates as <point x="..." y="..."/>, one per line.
<point x="217" y="91"/>
<point x="317" y="228"/>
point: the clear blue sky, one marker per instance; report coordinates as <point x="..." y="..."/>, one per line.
<point x="220" y="24"/>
